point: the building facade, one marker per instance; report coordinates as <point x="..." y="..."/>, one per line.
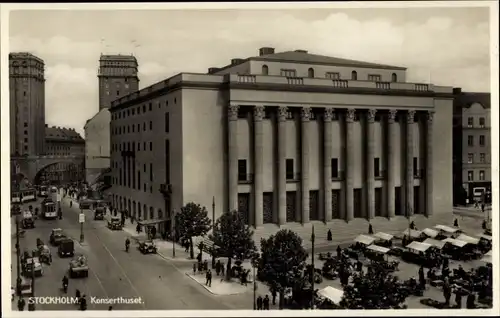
<point x="97" y="150"/>
<point x="27" y="104"/>
<point x="60" y="141"/>
<point x="285" y="137"/>
<point x="117" y="77"/>
<point x="472" y="147"/>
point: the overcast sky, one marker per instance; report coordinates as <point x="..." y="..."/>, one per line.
<point x="448" y="46"/>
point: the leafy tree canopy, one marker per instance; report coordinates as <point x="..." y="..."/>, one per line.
<point x="283" y="259"/>
<point x="233" y="237"/>
<point x="193" y="220"/>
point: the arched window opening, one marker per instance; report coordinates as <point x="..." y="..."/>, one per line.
<point x="394" y="77"/>
<point x="310" y="73"/>
<point x="354" y="75"/>
<point x="265" y="70"/>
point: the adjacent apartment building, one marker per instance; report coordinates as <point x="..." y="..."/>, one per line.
<point x="285" y="137"/>
<point x="471" y="147"/>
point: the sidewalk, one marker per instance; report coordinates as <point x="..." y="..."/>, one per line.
<point x="219" y="286"/>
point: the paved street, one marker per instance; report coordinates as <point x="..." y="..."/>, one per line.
<point x="113" y="272"/>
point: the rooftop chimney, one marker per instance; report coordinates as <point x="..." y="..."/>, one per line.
<point x="266" y="51"/>
<point x="236" y="61"/>
<point x="213" y="70"/>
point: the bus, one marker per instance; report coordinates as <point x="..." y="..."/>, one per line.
<point x="42" y="191"/>
<point x="28" y="195"/>
<point x="49" y="209"/>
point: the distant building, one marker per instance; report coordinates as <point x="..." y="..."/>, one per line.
<point x="283" y="138"/>
<point x="118" y="77"/>
<point x="471" y="147"/>
<point x="97" y="150"/>
<point x="60" y="141"/>
<point x="27" y="104"/>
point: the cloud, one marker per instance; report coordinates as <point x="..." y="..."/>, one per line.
<point x="451" y="50"/>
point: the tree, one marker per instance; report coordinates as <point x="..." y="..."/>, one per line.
<point x="378" y="290"/>
<point x="233" y="239"/>
<point x="282" y="262"/>
<point x="193" y="221"/>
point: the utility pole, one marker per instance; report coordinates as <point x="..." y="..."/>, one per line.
<point x="254" y="287"/>
<point x="31" y="305"/>
<point x="313" y="238"/>
<point x="213" y="226"/>
<point x="173" y="233"/>
<point x="18" y="258"/>
<point x="81" y="220"/>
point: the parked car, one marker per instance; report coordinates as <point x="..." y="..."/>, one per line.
<point x="115" y="223"/>
<point x="147" y="247"/>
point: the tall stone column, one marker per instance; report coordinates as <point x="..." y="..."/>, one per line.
<point x="258" y="112"/>
<point x="370" y="164"/>
<point x="391" y="164"/>
<point x="409" y="161"/>
<point x="350" y="168"/>
<point x="429" y="169"/>
<point x="306" y="116"/>
<point x="327" y="163"/>
<point x="282" y="113"/>
<point x="232" y="152"/>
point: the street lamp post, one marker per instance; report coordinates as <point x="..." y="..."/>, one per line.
<point x="213" y="226"/>
<point x="313" y="239"/>
<point x="18" y="259"/>
<point x="255" y="258"/>
<point x="173" y="233"/>
<point x="31" y="305"/>
<point x="82" y="220"/>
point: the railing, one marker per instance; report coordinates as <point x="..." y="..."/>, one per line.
<point x="340" y="83"/>
<point x="383" y="85"/>
<point x="245" y="178"/>
<point x="295" y="80"/>
<point x="422" y="87"/>
<point x="247" y="79"/>
<point x="293" y="177"/>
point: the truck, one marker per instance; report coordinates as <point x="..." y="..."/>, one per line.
<point x="49" y="209"/>
<point x="78" y="267"/>
<point x="66" y="248"/>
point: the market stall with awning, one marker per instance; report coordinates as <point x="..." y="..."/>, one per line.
<point x="418" y="246"/>
<point x="383" y="236"/>
<point x="447" y="229"/>
<point x="485" y="237"/>
<point x="331" y="293"/>
<point x="436" y="243"/>
<point x="364" y="239"/>
<point x="487" y="258"/>
<point x="468" y="239"/>
<point x="455" y="242"/>
<point x="430" y="232"/>
<point x="412" y="233"/>
<point x="378" y="249"/>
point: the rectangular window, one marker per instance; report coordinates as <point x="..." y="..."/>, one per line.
<point x="332" y="75"/>
<point x="150" y="125"/>
<point x="144" y="167"/>
<point x="144" y="188"/>
<point x="288" y="73"/>
<point x="481" y="122"/>
<point x="25" y="132"/>
<point x="242" y="170"/>
<point x="482" y="157"/>
<point x="374" y="78"/>
<point x="481" y="175"/>
<point x="138" y="180"/>
<point x="377" y="167"/>
<point x="470" y="158"/>
<point x="470" y="176"/>
<point x="470" y="141"/>
<point x="25" y="124"/>
<point x="151" y="172"/>
<point x="289" y="169"/>
<point x="335" y="168"/>
<point x="117" y="93"/>
<point x="470" y="122"/>
<point x="167" y="122"/>
<point x="415" y="166"/>
<point x="150" y="106"/>
<point x="167" y="161"/>
<point x="482" y="141"/>
<point x="25" y="139"/>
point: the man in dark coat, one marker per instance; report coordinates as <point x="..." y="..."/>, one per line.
<point x="447" y="293"/>
<point x="421" y="277"/>
<point x="274" y="294"/>
<point x="471" y="300"/>
<point x="370" y="229"/>
<point x="458" y="297"/>
<point x="259" y="302"/>
<point x="339" y="251"/>
<point x="21" y="304"/>
<point x="329" y="235"/>
<point x="265" y="302"/>
<point x="209" y="278"/>
<point x="455" y="223"/>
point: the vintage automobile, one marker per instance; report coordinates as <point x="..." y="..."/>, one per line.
<point x="30" y="265"/>
<point x="115" y="223"/>
<point x="66" y="248"/>
<point x="57" y="236"/>
<point x="28" y="221"/>
<point x="78" y="267"/>
<point x="44" y="254"/>
<point x="99" y="213"/>
<point x="147" y="247"/>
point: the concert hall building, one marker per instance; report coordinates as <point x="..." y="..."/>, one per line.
<point x="285" y="137"/>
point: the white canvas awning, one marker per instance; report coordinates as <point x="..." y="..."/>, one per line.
<point x="383" y="236"/>
<point x="378" y="249"/>
<point x="490" y="253"/>
<point x="421" y="247"/>
<point x="364" y="239"/>
<point x="430" y="232"/>
<point x="468" y="239"/>
<point x="412" y="233"/>
<point x="447" y="229"/>
<point x="435" y="243"/>
<point x="333" y="294"/>
<point x="487" y="259"/>
<point x="486" y="237"/>
<point x="455" y="242"/>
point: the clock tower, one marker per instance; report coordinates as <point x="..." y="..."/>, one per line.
<point x="117" y="77"/>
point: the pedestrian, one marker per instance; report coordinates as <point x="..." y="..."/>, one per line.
<point x="471" y="299"/>
<point x="21" y="303"/>
<point x="455" y="223"/>
<point x="274" y="294"/>
<point x="153" y="232"/>
<point x="329" y="235"/>
<point x="370" y="229"/>
<point x="421" y="277"/>
<point x="217" y="267"/>
<point x="265" y="302"/>
<point x="138" y="228"/>
<point x="482" y="207"/>
<point x="78" y="294"/>
<point x="110" y="308"/>
<point x="404" y="240"/>
<point x="359" y="266"/>
<point x="209" y="278"/>
<point x="259" y="302"/>
<point x="339" y="251"/>
<point x="483" y="225"/>
<point x="447" y="293"/>
<point x="458" y="298"/>
<point x="412" y="225"/>
<point x="83" y="303"/>
<point x="222" y="269"/>
<point x="194" y="268"/>
<point x="205" y="265"/>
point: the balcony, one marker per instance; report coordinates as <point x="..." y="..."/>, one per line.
<point x="245" y="178"/>
<point x="381" y="175"/>
<point x="293" y="177"/>
<point x="340" y="83"/>
<point x="246" y="79"/>
<point x="295" y="80"/>
<point x="383" y="85"/>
